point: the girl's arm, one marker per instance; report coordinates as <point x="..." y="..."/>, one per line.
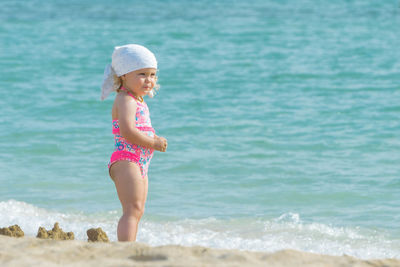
<point x="127" y="121"/>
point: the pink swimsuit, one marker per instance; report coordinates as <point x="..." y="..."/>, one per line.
<point x="124" y="150"/>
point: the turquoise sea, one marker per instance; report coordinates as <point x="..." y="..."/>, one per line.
<point x="282" y="119"/>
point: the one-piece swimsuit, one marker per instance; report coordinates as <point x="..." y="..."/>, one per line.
<point x="124" y="150"/>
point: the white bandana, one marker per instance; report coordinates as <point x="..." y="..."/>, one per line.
<point x="125" y="59"/>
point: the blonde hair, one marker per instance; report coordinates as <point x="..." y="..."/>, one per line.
<point x="118" y="83"/>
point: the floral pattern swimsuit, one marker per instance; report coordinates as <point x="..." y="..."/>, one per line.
<point x="124" y="150"/>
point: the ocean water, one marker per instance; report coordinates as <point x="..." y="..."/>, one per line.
<point x="282" y="118"/>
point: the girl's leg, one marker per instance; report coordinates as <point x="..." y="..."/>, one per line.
<point x="146" y="189"/>
<point x="131" y="189"/>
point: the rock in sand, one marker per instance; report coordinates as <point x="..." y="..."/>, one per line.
<point x="97" y="235"/>
<point x="13" y="231"/>
<point x="56" y="233"/>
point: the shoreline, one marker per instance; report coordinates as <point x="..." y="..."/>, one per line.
<point x="31" y="251"/>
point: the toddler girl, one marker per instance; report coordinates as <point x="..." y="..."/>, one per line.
<point x="132" y="74"/>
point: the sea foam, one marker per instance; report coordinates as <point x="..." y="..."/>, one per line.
<point x="285" y="232"/>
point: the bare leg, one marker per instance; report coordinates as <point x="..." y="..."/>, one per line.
<point x="132" y="191"/>
<point x="146" y="189"/>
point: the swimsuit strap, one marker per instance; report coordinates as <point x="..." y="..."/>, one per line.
<point x="129" y="93"/>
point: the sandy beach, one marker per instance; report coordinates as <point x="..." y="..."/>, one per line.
<point x="30" y="251"/>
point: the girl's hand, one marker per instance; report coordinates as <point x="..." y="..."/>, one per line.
<point x="160" y="143"/>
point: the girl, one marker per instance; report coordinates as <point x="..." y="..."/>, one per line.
<point x="132" y="74"/>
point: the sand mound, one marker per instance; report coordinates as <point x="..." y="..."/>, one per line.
<point x="97" y="235"/>
<point x="56" y="233"/>
<point x="13" y="231"/>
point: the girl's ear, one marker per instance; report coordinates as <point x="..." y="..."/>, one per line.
<point x="123" y="77"/>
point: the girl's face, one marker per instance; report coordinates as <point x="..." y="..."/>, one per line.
<point x="140" y="82"/>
